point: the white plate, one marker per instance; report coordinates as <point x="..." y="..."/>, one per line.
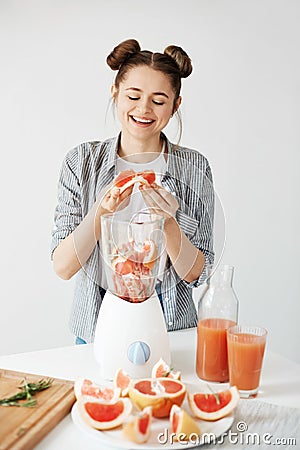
<point x="115" y="437"/>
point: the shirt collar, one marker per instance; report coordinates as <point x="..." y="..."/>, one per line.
<point x="113" y="145"/>
<point x="171" y="167"/>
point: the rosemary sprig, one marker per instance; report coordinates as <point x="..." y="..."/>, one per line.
<point x="216" y="395"/>
<point x="27" y="391"/>
<point x="29" y="404"/>
<point x="39" y="386"/>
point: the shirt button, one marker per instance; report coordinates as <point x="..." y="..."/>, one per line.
<point x="173" y="193"/>
<point x="167" y="299"/>
<point x="170" y="323"/>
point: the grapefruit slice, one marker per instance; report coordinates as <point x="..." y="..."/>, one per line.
<point x="214" y="406"/>
<point x="150" y="252"/>
<point x="104" y="416"/>
<point x="160" y="393"/>
<point x="147" y="175"/>
<point x="123" y="178"/>
<point x="122" y="381"/>
<point x="182" y="424"/>
<point x="162" y="369"/>
<point x="122" y="266"/>
<point x="83" y="386"/>
<point x="127" y="178"/>
<point x="139" y="427"/>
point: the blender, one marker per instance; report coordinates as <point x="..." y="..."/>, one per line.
<point x="131" y="332"/>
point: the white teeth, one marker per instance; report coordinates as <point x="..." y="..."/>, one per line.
<point x="137" y="119"/>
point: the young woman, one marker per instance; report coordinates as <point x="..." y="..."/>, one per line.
<point x="146" y="94"/>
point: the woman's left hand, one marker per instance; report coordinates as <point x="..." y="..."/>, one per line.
<point x="160" y="200"/>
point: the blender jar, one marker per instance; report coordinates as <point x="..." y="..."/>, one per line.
<point x="131" y="253"/>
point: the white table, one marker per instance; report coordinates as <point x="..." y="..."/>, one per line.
<point x="280" y="382"/>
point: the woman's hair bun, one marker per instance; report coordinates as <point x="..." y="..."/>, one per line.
<point x="121" y="52"/>
<point x="181" y="58"/>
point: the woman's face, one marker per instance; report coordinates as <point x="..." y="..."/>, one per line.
<point x="145" y="102"/>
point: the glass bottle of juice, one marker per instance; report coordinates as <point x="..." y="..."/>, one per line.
<point x="217" y="311"/>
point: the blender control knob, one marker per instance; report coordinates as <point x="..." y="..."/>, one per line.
<point x="138" y="352"/>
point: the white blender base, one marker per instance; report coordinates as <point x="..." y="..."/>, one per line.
<point x="120" y="325"/>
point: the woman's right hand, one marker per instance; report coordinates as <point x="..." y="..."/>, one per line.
<point x="110" y="199"/>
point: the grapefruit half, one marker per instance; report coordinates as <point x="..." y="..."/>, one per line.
<point x="159" y="393"/>
<point x="214" y="406"/>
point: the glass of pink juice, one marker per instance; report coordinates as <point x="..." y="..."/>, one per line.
<point x="246" y="346"/>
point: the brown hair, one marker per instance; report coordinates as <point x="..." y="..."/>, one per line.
<point x="174" y="62"/>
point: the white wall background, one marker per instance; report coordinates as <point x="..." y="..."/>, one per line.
<point x="240" y="108"/>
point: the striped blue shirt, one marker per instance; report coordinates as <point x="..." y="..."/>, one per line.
<point x="91" y="166"/>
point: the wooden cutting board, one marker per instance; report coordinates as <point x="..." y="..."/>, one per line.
<point x="23" y="428"/>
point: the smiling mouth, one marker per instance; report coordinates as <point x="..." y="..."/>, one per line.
<point x="142" y="121"/>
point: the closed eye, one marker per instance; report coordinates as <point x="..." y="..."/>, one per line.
<point x="133" y="98"/>
<point x="157" y="103"/>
